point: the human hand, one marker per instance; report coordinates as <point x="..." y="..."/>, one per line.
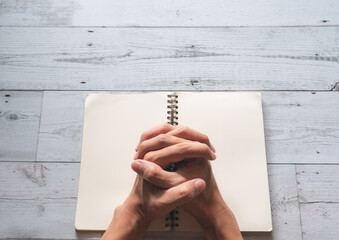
<point x="164" y="144"/>
<point x="190" y="149"/>
<point x="147" y="202"/>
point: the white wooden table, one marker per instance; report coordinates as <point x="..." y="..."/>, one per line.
<point x="52" y="53"/>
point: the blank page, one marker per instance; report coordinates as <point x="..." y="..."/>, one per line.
<point x="112" y="128"/>
<point x="234" y="124"/>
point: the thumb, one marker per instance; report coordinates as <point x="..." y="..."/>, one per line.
<point x="180" y="194"/>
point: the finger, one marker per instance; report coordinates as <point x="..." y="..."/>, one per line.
<point x="179" y="152"/>
<point x="154" y="174"/>
<point x="156" y="143"/>
<point x="179" y="195"/>
<point x="191" y="134"/>
<point x="162" y="128"/>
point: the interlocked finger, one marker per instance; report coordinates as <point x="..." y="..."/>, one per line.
<point x="191" y="134"/>
<point x="156" y="143"/>
<point x="179" y="152"/>
<point x="156" y="175"/>
<point x="160" y="129"/>
<point x="179" y="195"/>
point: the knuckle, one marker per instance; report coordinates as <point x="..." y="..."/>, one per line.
<point x="182" y="129"/>
<point x="151" y="157"/>
<point x="162" y="138"/>
<point x="142" y="147"/>
<point x="204" y="147"/>
<point x="143" y="136"/>
<point x="204" y="138"/>
<point x="184" y="146"/>
<point x="166" y="126"/>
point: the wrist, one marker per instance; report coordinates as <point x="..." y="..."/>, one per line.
<point x="210" y="215"/>
<point x="218" y="221"/>
<point x="224" y="227"/>
<point x="125" y="225"/>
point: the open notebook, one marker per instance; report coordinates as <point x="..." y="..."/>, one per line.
<point x="113" y="124"/>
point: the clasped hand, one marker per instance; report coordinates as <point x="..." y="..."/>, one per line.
<point x="157" y="191"/>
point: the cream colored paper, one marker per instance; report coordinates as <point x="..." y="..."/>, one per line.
<point x="234" y="124"/>
<point x="112" y="128"/>
<point x="113" y="125"/>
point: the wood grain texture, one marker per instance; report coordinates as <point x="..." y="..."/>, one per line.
<point x="284" y="204"/>
<point x="318" y="187"/>
<point x="52" y="182"/>
<point x="38" y="200"/>
<point x="60" y="133"/>
<point x="168" y="13"/>
<point x="169" y="58"/>
<point x="320" y="221"/>
<point x="300" y="127"/>
<point x="318" y="183"/>
<point x="19" y="125"/>
<point x="43" y="51"/>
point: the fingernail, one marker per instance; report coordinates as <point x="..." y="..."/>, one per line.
<point x="136" y="148"/>
<point x="199" y="185"/>
<point x="138" y="167"/>
<point x="136" y="155"/>
<point x="214" y="156"/>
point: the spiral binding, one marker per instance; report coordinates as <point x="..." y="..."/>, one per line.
<point x="173" y="109"/>
<point x="172" y="220"/>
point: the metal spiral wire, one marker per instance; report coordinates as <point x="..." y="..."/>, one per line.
<point x="173" y="109"/>
<point x="172" y="220"/>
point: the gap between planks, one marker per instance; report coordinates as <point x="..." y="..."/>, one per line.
<point x="174" y="27"/>
<point x="163" y="90"/>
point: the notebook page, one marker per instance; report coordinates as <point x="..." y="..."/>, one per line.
<point x="234" y="124"/>
<point x="112" y="128"/>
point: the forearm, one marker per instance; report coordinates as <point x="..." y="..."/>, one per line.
<point x="224" y="227"/>
<point x="218" y="221"/>
<point x="124" y="226"/>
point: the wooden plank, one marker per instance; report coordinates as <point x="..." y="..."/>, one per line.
<point x="320" y="220"/>
<point x="284" y="204"/>
<point x="34" y="182"/>
<point x="300" y="127"/>
<point x="19" y="125"/>
<point x="38" y="200"/>
<point x="318" y="183"/>
<point x="168" y="13"/>
<point x="169" y="58"/>
<point x="40" y="220"/>
<point x="61" y="126"/>
<point x="318" y="187"/>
